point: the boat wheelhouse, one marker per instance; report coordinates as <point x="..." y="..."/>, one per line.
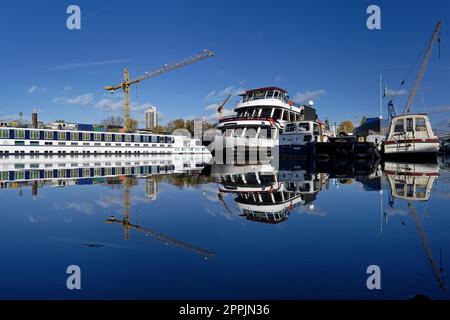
<point x="296" y="137"/>
<point x="411" y="134"/>
<point x="14" y="141"/>
<point x="260" y="117"/>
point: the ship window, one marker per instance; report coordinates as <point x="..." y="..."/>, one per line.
<point x="286" y="115"/>
<point x="127" y="138"/>
<point x="399" y="126"/>
<point x="303" y="127"/>
<point x="108" y="137"/>
<point x="259" y="95"/>
<point x="4" y="134"/>
<point x="316" y="129"/>
<point x="409" y="124"/>
<point x="34" y="135"/>
<point x="290" y="127"/>
<point x="97" y="137"/>
<point x="34" y="143"/>
<point x="61" y="136"/>
<point x="19" y="134"/>
<point x="74" y="136"/>
<point x="277" y="114"/>
<point x="266" y="113"/>
<point x="48" y="135"/>
<point x="420" y="124"/>
<point x="277" y="93"/>
<point x="86" y="136"/>
<point x="269" y="95"/>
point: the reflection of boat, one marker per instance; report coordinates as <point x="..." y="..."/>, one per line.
<point x="250" y="178"/>
<point x="78" y="169"/>
<point x="265" y="195"/>
<point x="412" y="182"/>
<point x="260" y="117"/>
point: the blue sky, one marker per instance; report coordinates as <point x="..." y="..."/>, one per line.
<point x="316" y="49"/>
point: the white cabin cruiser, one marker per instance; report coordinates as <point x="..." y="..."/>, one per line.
<point x="411" y="135"/>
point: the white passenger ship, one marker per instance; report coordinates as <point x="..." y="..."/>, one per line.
<point x="260" y="117"/>
<point x="15" y="141"/>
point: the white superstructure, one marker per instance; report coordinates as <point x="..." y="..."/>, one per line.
<point x="259" y="118"/>
<point x="15" y="141"/>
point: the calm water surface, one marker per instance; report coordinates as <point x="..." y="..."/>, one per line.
<point x="288" y="230"/>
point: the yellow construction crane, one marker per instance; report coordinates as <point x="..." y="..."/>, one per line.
<point x="125" y="85"/>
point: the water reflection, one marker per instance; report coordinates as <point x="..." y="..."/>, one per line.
<point x="409" y="198"/>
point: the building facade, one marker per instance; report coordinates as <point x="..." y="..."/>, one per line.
<point x="151" y="118"/>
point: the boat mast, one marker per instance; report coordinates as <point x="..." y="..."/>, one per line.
<point x="381" y="97"/>
<point x="422" y="69"/>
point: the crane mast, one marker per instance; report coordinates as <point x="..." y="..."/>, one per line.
<point x="127" y="83"/>
<point x="422" y="69"/>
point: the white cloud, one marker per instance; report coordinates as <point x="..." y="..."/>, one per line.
<point x="67" y="88"/>
<point x="36" y="89"/>
<point x="81" y="100"/>
<point x="440" y="109"/>
<point x="222" y="94"/>
<point x="302" y="97"/>
<point x="395" y="93"/>
<point x="278" y="79"/>
<point x="84" y="207"/>
<point x="108" y="105"/>
<point x="212" y="106"/>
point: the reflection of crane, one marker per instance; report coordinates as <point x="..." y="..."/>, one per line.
<point x="221" y="107"/>
<point x="222" y="200"/>
<point x="426" y="246"/>
<point x="161" y="237"/>
<point x="127" y="82"/>
<point x="125" y="222"/>
<point x="422" y="69"/>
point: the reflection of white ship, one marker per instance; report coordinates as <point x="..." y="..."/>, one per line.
<point x="64" y="170"/>
<point x="412" y="182"/>
<point x="267" y="196"/>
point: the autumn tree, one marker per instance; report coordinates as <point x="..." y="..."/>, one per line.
<point x="346" y="126"/>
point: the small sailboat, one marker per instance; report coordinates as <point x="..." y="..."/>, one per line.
<point x="412" y="134"/>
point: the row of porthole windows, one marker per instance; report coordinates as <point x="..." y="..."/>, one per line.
<point x="75" y="136"/>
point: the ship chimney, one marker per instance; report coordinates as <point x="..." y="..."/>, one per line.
<point x="34" y="119"/>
